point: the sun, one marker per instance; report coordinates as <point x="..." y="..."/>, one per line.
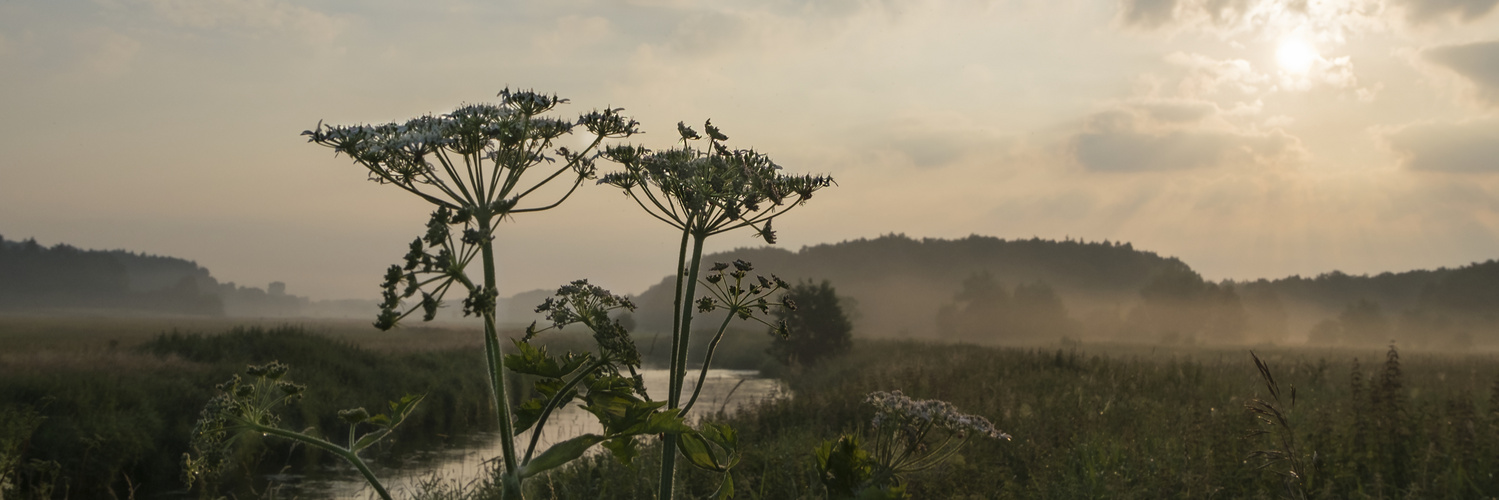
<point x="1296" y="55"/>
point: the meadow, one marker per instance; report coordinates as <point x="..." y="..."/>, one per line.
<point x="111" y="403"/>
<point x="1122" y="421"/>
<point x="104" y="407"/>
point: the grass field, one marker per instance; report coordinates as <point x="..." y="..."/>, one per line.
<point x="111" y="402"/>
<point x="1130" y="422"/>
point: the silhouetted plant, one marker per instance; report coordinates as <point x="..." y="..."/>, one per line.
<point x="472" y="164"/>
<point x="1274" y="418"/>
<point x="702" y="193"/>
<point x="243" y="407"/>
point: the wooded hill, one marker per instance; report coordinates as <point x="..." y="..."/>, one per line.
<point x="992" y="290"/>
<point x="976" y="289"/>
<point x="62" y="278"/>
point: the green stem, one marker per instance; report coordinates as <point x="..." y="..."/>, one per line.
<point x="552" y="405"/>
<point x="687" y="296"/>
<point x="676" y="321"/>
<point x="708" y="360"/>
<point x="680" y="342"/>
<point x="496" y="365"/>
<point x="350" y="456"/>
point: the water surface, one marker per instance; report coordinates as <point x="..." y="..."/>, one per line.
<point x="468" y="461"/>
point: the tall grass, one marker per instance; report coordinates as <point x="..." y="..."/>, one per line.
<point x="1130" y="423"/>
<point x="120" y="420"/>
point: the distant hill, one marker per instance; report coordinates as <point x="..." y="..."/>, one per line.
<point x="1441" y="308"/>
<point x="899" y="283"/>
<point x="974" y="289"/>
<point x="986" y="289"/>
<point x="63" y="278"/>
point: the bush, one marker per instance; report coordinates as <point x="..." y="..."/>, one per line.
<point x="818" y="328"/>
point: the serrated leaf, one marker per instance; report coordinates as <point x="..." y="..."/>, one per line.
<point x="386" y="423"/>
<point x="725" y="488"/>
<point x="369" y="439"/>
<point x="532" y="360"/>
<point x="695" y="449"/>
<point x="526" y="414"/>
<point x="624" y="448"/>
<point x="666" y="422"/>
<point x="559" y="454"/>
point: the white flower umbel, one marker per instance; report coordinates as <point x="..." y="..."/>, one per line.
<point x="903" y="428"/>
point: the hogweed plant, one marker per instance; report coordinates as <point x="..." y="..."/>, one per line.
<point x="472" y="164"/>
<point x="704" y="192"/>
<point x="909" y="435"/>
<point x="598" y="381"/>
<point x="245" y="407"/>
<point x="478" y="165"/>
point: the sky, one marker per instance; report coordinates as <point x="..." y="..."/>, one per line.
<point x="1250" y="138"/>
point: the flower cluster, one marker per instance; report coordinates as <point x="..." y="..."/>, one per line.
<point x="580" y="302"/>
<point x="730" y="291"/>
<point x="508" y="134"/>
<point x="470" y="163"/>
<point x="709" y="191"/>
<point x="239" y="404"/>
<point x="897" y="409"/>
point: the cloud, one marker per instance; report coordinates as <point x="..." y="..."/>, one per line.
<point x="1332" y="20"/>
<point x="571" y="32"/>
<point x="1424" y="11"/>
<point x="1148" y="14"/>
<point x="1464" y="147"/>
<point x="1178" y="111"/>
<point x="1208" y="76"/>
<point x="1478" y="62"/>
<point x="108" y="53"/>
<point x="248" y="17"/>
<point x="1336" y="73"/>
<point x="1181" y="135"/>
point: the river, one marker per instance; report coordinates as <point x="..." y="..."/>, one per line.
<point x="468" y="462"/>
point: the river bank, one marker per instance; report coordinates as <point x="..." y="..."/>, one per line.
<point x="468" y="461"/>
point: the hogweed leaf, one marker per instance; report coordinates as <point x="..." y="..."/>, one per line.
<point x="559" y="454"/>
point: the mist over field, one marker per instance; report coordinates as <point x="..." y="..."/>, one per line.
<point x="979" y="290"/>
<point x="682" y="249"/>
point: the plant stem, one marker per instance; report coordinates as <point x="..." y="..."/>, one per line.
<point x="496" y="363"/>
<point x="680" y="339"/>
<point x="707" y="360"/>
<point x="552" y="405"/>
<point x="350" y="456"/>
<point x="676" y="322"/>
<point x="686" y="312"/>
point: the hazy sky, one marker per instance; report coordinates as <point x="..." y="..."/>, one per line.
<point x="1250" y="138"/>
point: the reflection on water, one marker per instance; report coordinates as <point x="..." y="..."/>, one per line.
<point x="467" y="462"/>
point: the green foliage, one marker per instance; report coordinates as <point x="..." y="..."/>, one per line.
<point x="909" y="436"/>
<point x="1125" y="422"/>
<point x="250" y="407"/>
<point x="848" y="472"/>
<point x="472" y="165"/>
<point x="705" y="192"/>
<point x="815" y="329"/>
<point x="19" y="476"/>
<point x="125" y="419"/>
